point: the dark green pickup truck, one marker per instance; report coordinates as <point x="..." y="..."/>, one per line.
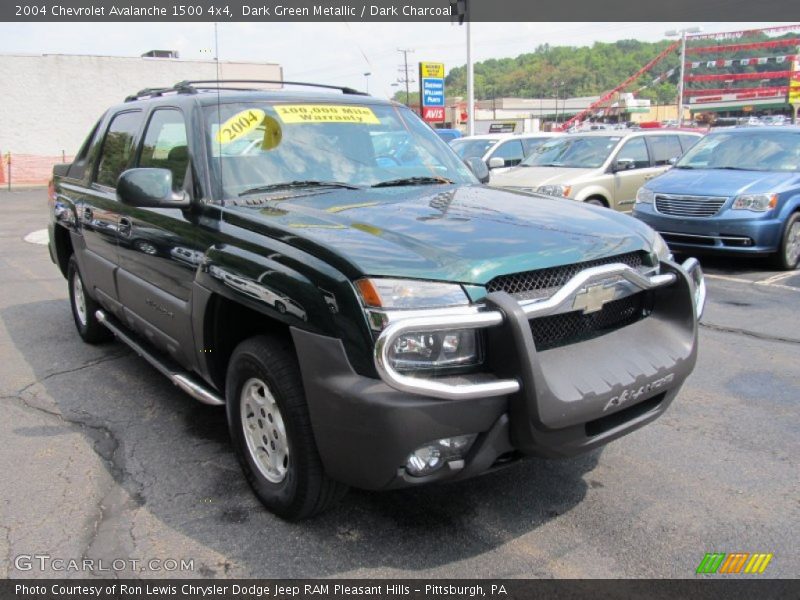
<point x="370" y="314"/>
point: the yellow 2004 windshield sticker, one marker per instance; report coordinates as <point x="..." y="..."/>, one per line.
<point x="240" y="124"/>
<point x="326" y="113"/>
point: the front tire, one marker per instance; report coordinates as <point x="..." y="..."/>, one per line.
<point x="788" y="254"/>
<point x="596" y="202"/>
<point x="271" y="430"/>
<point x="84" y="308"/>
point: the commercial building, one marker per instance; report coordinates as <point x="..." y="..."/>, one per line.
<point x="51" y="101"/>
<point x="533" y="114"/>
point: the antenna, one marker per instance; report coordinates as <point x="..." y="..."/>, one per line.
<point x="219" y="112"/>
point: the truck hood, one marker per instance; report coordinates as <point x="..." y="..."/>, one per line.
<point x="535" y="176"/>
<point x="719" y="182"/>
<point x="467" y="234"/>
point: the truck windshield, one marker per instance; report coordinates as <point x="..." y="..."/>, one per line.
<point x="587" y="152"/>
<point x="259" y="145"/>
<point x="750" y="150"/>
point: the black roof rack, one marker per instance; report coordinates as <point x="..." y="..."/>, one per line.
<point x="216" y="83"/>
<point x="191" y="86"/>
<point x="148" y="93"/>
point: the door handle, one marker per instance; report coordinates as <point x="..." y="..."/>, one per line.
<point x="87" y="215"/>
<point x="124" y="226"/>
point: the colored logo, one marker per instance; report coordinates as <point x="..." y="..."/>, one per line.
<point x="734" y="563"/>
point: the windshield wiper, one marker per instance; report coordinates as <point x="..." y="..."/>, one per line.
<point x="286" y="185"/>
<point x="412" y="181"/>
<point x="731" y="169"/>
<point x="684" y="167"/>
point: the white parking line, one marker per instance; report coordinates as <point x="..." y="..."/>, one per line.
<point x="37" y="237"/>
<point x="768" y="282"/>
<point x="726" y="278"/>
<point x="776" y="278"/>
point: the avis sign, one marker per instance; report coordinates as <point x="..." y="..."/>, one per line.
<point x="431" y="91"/>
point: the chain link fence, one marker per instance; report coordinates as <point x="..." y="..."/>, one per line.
<point x="19" y="170"/>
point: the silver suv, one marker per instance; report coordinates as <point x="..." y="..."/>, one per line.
<point x="606" y="168"/>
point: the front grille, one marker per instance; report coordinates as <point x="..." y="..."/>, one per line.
<point x="543" y="283"/>
<point x="568" y="328"/>
<point x="688" y="206"/>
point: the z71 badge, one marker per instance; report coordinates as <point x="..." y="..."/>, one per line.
<point x="636" y="393"/>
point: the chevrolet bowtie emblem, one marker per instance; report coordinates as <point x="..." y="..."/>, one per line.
<point x="593" y="297"/>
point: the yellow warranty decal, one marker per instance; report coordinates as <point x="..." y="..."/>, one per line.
<point x="240" y="124"/>
<point x="326" y="113"/>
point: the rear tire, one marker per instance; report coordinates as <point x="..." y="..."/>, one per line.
<point x="596" y="202"/>
<point x="271" y="430"/>
<point x="788" y="254"/>
<point x="84" y="308"/>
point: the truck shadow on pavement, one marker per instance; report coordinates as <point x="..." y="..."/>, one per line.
<point x="172" y="458"/>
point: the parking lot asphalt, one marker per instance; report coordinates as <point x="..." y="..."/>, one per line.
<point x="103" y="458"/>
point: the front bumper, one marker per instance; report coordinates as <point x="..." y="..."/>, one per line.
<point x="735" y="232"/>
<point x="557" y="402"/>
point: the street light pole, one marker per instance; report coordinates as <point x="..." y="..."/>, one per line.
<point x="470" y="85"/>
<point x="682" y="33"/>
<point x="366" y="77"/>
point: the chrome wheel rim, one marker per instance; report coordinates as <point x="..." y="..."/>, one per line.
<point x="793" y="243"/>
<point x="79" y="299"/>
<point x="147" y="248"/>
<point x="264" y="430"/>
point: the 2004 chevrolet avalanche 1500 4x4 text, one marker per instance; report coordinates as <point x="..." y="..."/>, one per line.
<point x="368" y="312"/>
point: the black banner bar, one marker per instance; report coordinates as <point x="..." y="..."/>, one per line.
<point x="731" y="588"/>
<point x="395" y="10"/>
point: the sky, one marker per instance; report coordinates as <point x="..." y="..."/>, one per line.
<point x="338" y="52"/>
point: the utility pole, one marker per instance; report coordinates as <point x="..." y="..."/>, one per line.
<point x="682" y="33"/>
<point x="406" y="79"/>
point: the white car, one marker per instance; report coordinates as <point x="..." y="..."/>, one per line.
<point x="500" y="151"/>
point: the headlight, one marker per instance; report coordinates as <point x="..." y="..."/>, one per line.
<point x="408" y="293"/>
<point x="555" y="190"/>
<point x="645" y="196"/>
<point x="388" y="299"/>
<point x="436" y="350"/>
<point x="660" y="248"/>
<point x="755" y="202"/>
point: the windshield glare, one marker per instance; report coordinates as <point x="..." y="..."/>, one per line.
<point x="472" y="148"/>
<point x="589" y="152"/>
<point x="750" y="151"/>
<point x="257" y="144"/>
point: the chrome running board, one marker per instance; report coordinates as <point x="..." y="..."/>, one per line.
<point x="182" y="379"/>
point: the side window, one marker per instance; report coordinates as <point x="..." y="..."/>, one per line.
<point x="510" y="151"/>
<point x="78" y="167"/>
<point x="635" y="150"/>
<point x="687" y="141"/>
<point x="117" y="150"/>
<point x="165" y="145"/>
<point x="664" y="148"/>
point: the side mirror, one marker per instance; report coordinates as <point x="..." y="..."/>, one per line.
<point x="497" y="163"/>
<point x="150" y="188"/>
<point x="623" y="164"/>
<point x="478" y="168"/>
<point x="673" y="160"/>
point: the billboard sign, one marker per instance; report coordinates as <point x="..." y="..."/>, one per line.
<point x="794" y="83"/>
<point x="431" y="91"/>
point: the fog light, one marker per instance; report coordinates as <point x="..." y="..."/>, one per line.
<point x="433" y="456"/>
